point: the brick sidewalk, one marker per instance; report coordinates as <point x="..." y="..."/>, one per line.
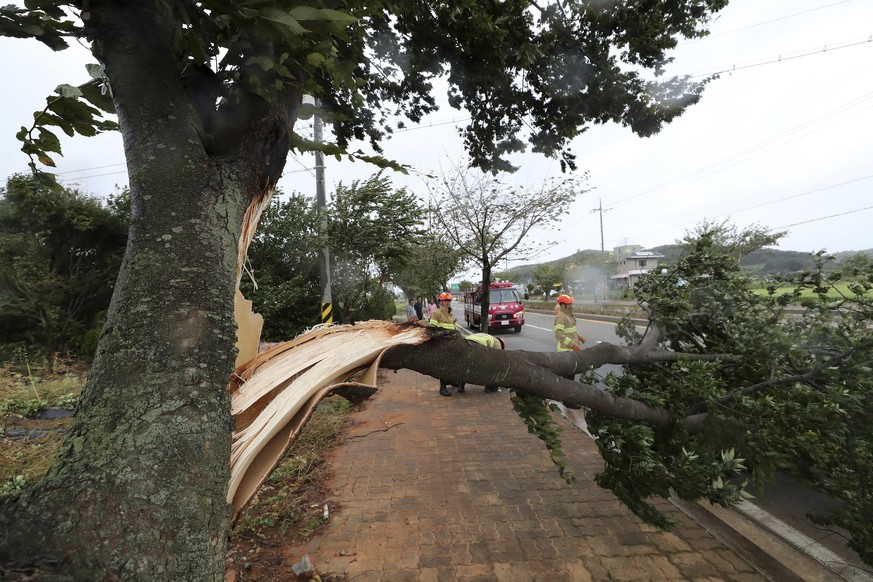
<point x="456" y="489"/>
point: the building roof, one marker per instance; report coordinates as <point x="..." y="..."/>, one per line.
<point x="631" y="273"/>
<point x="645" y="255"/>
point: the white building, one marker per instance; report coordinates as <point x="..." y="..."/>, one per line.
<point x="633" y="262"/>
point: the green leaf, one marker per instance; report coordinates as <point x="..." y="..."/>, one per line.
<point x="96" y="71"/>
<point x="68" y="91"/>
<point x="310" y="13"/>
<point x="91" y="92"/>
<point x="283" y="18"/>
<point x="265" y="63"/>
<point x="315" y="59"/>
<point x="48" y="141"/>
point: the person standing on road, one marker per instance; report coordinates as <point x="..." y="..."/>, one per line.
<point x="411" y="316"/>
<point x="565" y="326"/>
<point x="489" y="341"/>
<point x="566" y="335"/>
<point x="431" y="307"/>
<point x="419" y="308"/>
<point x="444" y="318"/>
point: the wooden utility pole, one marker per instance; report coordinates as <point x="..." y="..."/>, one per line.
<point x="601" y="211"/>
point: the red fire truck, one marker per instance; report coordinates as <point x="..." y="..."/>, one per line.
<point x="504" y="307"/>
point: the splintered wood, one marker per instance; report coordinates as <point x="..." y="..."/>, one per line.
<point x="275" y="393"/>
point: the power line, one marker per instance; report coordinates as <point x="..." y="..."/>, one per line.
<point x="796" y="195"/>
<point x="715" y="166"/>
<point x="824" y="217"/>
<point x="763" y="22"/>
<point x="781" y="58"/>
<point x="89" y="169"/>
<point x="299" y="163"/>
<point x="434" y="124"/>
<point x="685" y="224"/>
<point x="74" y="178"/>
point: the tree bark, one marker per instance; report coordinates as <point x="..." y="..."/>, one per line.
<point x="540" y="373"/>
<point x="544" y="373"/>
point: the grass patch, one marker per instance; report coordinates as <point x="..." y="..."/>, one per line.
<point x="25" y="461"/>
<point x="27" y="383"/>
<point x="836" y="291"/>
<point x="25" y="390"/>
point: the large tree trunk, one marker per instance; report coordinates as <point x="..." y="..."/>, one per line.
<point x="138" y="489"/>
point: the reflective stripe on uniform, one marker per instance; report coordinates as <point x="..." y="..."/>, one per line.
<point x="484" y="339"/>
<point x="436" y="323"/>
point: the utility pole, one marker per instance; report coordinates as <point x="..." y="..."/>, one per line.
<point x="321" y="207"/>
<point x="601" y="211"/>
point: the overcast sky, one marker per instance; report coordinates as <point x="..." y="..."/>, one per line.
<point x="781" y="139"/>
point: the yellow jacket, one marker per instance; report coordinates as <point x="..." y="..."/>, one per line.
<point x="565" y="331"/>
<point x="487" y="340"/>
<point x="442" y="318"/>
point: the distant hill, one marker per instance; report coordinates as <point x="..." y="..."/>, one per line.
<point x="763" y="262"/>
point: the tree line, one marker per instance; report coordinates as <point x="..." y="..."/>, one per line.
<point x="61" y="252"/>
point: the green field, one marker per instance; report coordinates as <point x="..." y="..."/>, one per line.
<point x="839" y="289"/>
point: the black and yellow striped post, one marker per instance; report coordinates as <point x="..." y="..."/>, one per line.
<point x="326" y="313"/>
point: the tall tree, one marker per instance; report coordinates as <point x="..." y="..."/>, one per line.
<point x="428" y="268"/>
<point x="59" y="256"/>
<point x="371" y="234"/>
<point x="206" y="95"/>
<point x="488" y="220"/>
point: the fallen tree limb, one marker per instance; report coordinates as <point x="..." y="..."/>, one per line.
<point x="274" y="394"/>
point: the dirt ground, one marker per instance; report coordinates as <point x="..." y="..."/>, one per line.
<point x="256" y="553"/>
<point x="262" y="555"/>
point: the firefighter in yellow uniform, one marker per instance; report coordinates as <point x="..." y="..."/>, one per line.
<point x="489" y="341"/>
<point x="565" y="326"/>
<point x="566" y="335"/>
<point x="444" y="318"/>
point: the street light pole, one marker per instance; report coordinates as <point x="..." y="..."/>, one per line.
<point x="321" y="207"/>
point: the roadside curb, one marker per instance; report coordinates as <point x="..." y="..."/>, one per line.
<point x="772" y="546"/>
<point x="593" y="316"/>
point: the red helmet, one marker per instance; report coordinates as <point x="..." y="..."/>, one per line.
<point x="502" y="343"/>
<point x="565" y="299"/>
<point x="445" y="296"/>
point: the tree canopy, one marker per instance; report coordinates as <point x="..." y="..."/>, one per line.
<point x="543" y="68"/>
